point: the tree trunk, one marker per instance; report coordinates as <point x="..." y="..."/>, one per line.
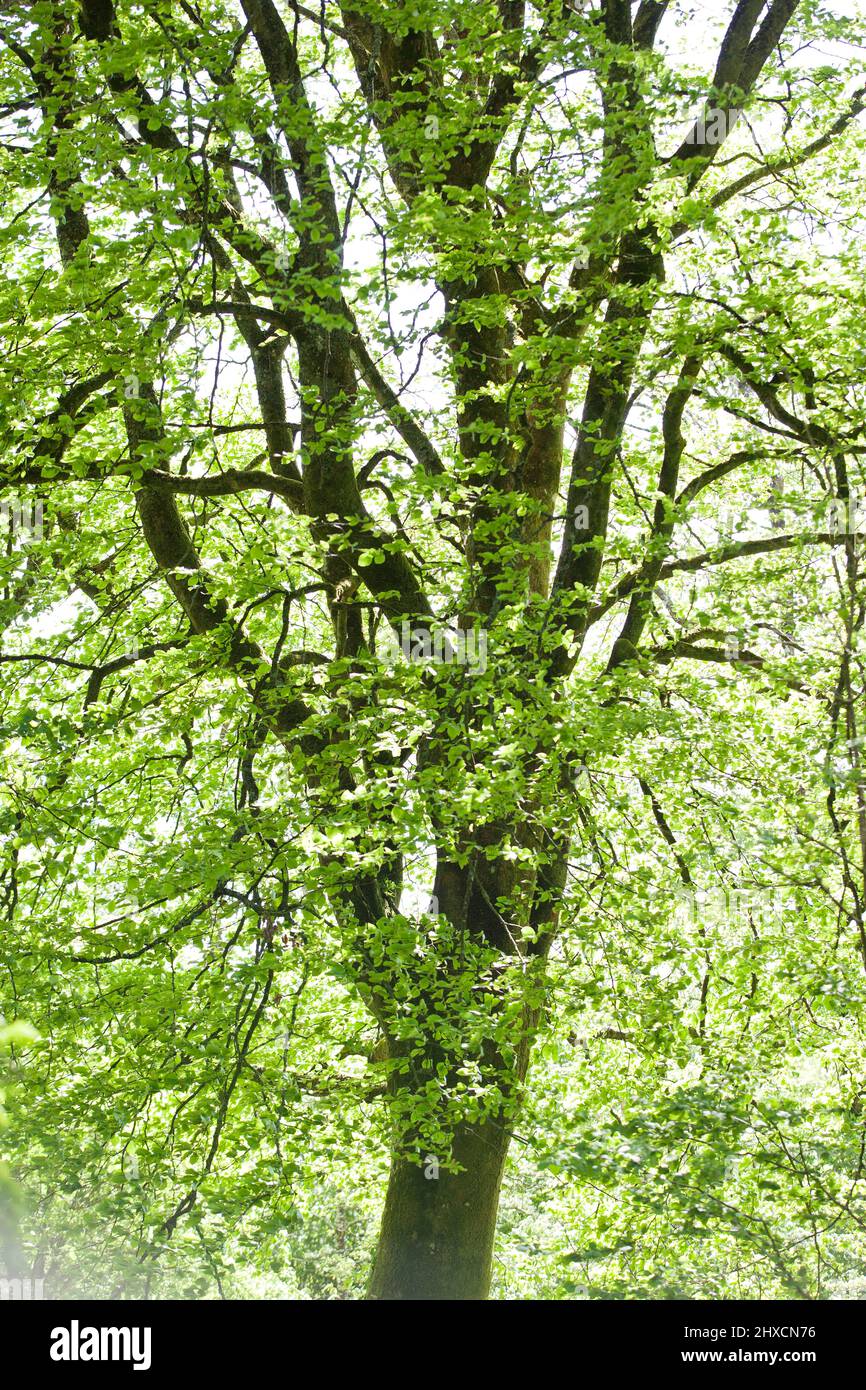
<point x="436" y="1240"/>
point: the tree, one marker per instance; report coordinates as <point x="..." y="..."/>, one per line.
<point x="378" y="382"/>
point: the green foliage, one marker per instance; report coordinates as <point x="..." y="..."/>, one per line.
<point x="322" y="329"/>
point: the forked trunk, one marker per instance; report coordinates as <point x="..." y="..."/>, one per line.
<point x="436" y="1240"/>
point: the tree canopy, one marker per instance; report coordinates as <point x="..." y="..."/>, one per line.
<point x="432" y="651"/>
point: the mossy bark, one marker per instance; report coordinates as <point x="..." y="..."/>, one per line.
<point x="439" y="1221"/>
<point x="437" y="1234"/>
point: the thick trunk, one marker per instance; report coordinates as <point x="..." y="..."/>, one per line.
<point x="436" y="1240"/>
<point x="439" y="1222"/>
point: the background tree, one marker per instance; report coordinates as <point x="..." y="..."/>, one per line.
<point x="434" y="440"/>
